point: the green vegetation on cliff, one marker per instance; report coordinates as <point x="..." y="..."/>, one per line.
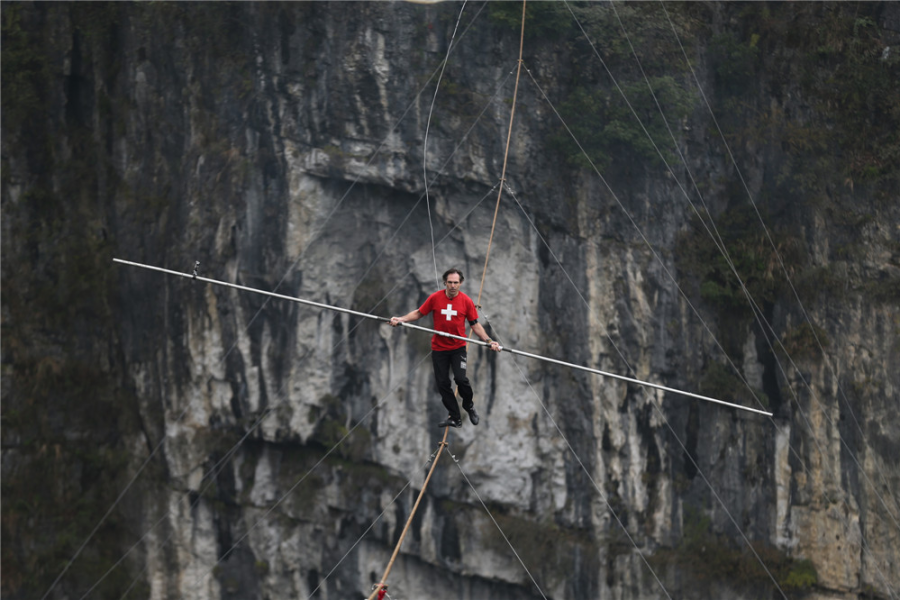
<point x="710" y="558"/>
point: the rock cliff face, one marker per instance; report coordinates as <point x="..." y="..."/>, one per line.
<point x="179" y="439"/>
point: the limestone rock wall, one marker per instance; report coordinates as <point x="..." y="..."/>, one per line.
<point x="282" y="146"/>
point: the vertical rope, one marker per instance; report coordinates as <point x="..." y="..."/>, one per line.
<point x="505" y="157"/>
<point x="387" y="571"/>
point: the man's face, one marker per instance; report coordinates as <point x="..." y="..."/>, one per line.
<point x="452" y="284"/>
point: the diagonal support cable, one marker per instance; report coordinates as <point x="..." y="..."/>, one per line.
<point x="496" y="524"/>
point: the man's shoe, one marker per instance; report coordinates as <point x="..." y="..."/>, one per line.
<point x="450" y="422"/>
<point x="473" y="416"/>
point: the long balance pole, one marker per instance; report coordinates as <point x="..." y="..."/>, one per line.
<point x="469" y="340"/>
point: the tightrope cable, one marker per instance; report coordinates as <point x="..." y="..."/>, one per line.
<point x="387" y="571"/>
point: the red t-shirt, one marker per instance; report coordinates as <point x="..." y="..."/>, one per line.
<point x="450" y="316"/>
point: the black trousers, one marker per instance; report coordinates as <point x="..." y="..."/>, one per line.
<point x="444" y="361"/>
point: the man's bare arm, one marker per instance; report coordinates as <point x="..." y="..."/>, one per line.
<point x="413" y="316"/>
<point x="482" y="334"/>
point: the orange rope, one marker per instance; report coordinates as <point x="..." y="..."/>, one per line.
<point x="505" y="156"/>
<point x="437" y="455"/>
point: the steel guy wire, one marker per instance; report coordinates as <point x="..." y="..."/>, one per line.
<point x="296" y="484"/>
<point x="211" y="474"/>
<point x="759" y="215"/>
<point x="359" y="539"/>
<point x="720" y="244"/>
<point x="622" y="356"/>
<point x="756" y="308"/>
<point x="578" y="291"/>
<point x="496" y="524"/>
<point x="790" y="359"/>
<point x="739" y="374"/>
<point x="391" y="503"/>
<point x="103" y="518"/>
<point x="716" y="241"/>
<point x="633" y="222"/>
<point x="425" y="144"/>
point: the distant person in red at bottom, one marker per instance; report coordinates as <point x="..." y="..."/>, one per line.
<point x="451" y="310"/>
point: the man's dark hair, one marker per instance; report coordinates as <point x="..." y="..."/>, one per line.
<point x="449" y="272"/>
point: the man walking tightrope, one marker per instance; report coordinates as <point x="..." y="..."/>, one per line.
<point x="451" y="309"/>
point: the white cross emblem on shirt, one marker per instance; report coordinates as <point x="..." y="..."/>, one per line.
<point x="449" y="312"/>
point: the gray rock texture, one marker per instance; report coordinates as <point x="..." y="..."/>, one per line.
<point x="167" y="438"/>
